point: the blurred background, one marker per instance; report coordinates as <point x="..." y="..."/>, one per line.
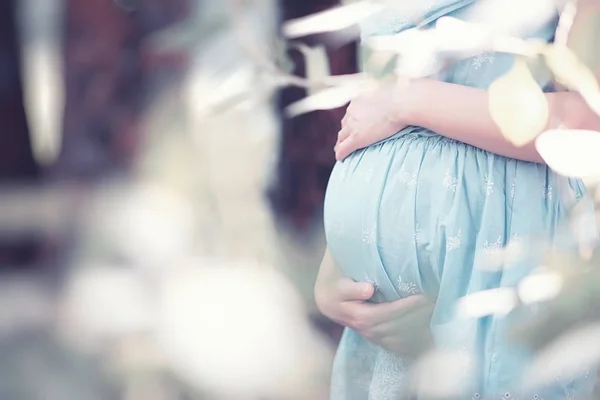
<point x="143" y="187"/>
<point x="160" y="213"/>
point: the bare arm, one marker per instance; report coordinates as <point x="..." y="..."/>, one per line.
<point x="462" y="113"/>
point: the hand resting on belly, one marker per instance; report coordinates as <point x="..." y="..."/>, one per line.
<point x="401" y="326"/>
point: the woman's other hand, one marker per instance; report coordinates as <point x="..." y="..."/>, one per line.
<point x="375" y="115"/>
<point x="401" y="326"/>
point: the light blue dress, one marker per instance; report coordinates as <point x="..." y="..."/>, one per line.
<point x="418" y="212"/>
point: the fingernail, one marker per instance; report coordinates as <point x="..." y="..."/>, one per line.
<point x="367" y="290"/>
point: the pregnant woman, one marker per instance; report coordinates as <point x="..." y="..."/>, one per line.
<point x="433" y="186"/>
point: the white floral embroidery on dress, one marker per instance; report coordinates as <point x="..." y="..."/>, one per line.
<point x="389" y="375"/>
<point x="547" y="192"/>
<point x="513" y="189"/>
<point x="514" y="239"/>
<point x="491" y="248"/>
<point x="406" y="288"/>
<point x="369" y="236"/>
<point x="370" y="280"/>
<point x="488" y="185"/>
<point x="338" y="229"/>
<point x="360" y="365"/>
<point x="417" y="235"/>
<point x="408" y="178"/>
<point x="454" y="242"/>
<point x="483" y="58"/>
<point x="450" y="181"/>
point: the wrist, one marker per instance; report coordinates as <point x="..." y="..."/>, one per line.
<point x="416" y="101"/>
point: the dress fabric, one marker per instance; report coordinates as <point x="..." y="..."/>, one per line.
<point x="420" y="213"/>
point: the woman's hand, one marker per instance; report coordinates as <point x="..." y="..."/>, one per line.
<point x="401" y="326"/>
<point x="376" y="115"/>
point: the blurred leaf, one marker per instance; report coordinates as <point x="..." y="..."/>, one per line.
<point x="330" y="20"/>
<point x="42" y="71"/>
<point x="459" y="36"/>
<point x="326" y="99"/>
<point x="572" y="73"/>
<point x="415" y="50"/>
<point x="447" y="369"/>
<point x="281" y="56"/>
<point x="569" y="356"/>
<point x="187" y="35"/>
<point x="317" y="64"/>
<point x="572" y="153"/>
<point x="576" y="305"/>
<point x="583" y="37"/>
<point x="487" y="302"/>
<point x="542" y="285"/>
<point x="378" y="64"/>
<point x="512" y="17"/>
<point x="518" y="105"/>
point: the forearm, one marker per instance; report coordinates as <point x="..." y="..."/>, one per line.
<point x="462" y="113"/>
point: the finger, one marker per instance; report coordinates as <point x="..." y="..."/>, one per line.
<point x="407" y="324"/>
<point x="385" y="312"/>
<point x="345" y="148"/>
<point x="344" y="120"/>
<point x="409" y="334"/>
<point x="380" y="320"/>
<point x="350" y="290"/>
<point x="343" y="134"/>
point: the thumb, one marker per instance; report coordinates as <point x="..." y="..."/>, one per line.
<point x="347" y="146"/>
<point x="349" y="290"/>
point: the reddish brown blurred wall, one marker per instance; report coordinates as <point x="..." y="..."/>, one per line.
<point x="110" y="76"/>
<point x="306" y="155"/>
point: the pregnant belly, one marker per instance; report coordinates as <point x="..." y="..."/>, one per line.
<point x="420" y="213"/>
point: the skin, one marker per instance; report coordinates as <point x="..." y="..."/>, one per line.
<point x="381" y="113"/>
<point x="400" y="326"/>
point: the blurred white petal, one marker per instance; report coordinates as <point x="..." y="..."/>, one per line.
<point x="404" y="42"/>
<point x="207" y="91"/>
<point x="42" y="70"/>
<point x="417" y="49"/>
<point x="103" y="302"/>
<point x="518" y="105"/>
<point x="317" y="64"/>
<point x="512" y="17"/>
<point x="487" y="302"/>
<point x="330" y="20"/>
<point x="447" y="369"/>
<point x="466" y="38"/>
<point x="237" y="330"/>
<point x="326" y="99"/>
<point x="572" y="153"/>
<point x="147" y="224"/>
<point x="571" y="72"/>
<point x="540" y="286"/>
